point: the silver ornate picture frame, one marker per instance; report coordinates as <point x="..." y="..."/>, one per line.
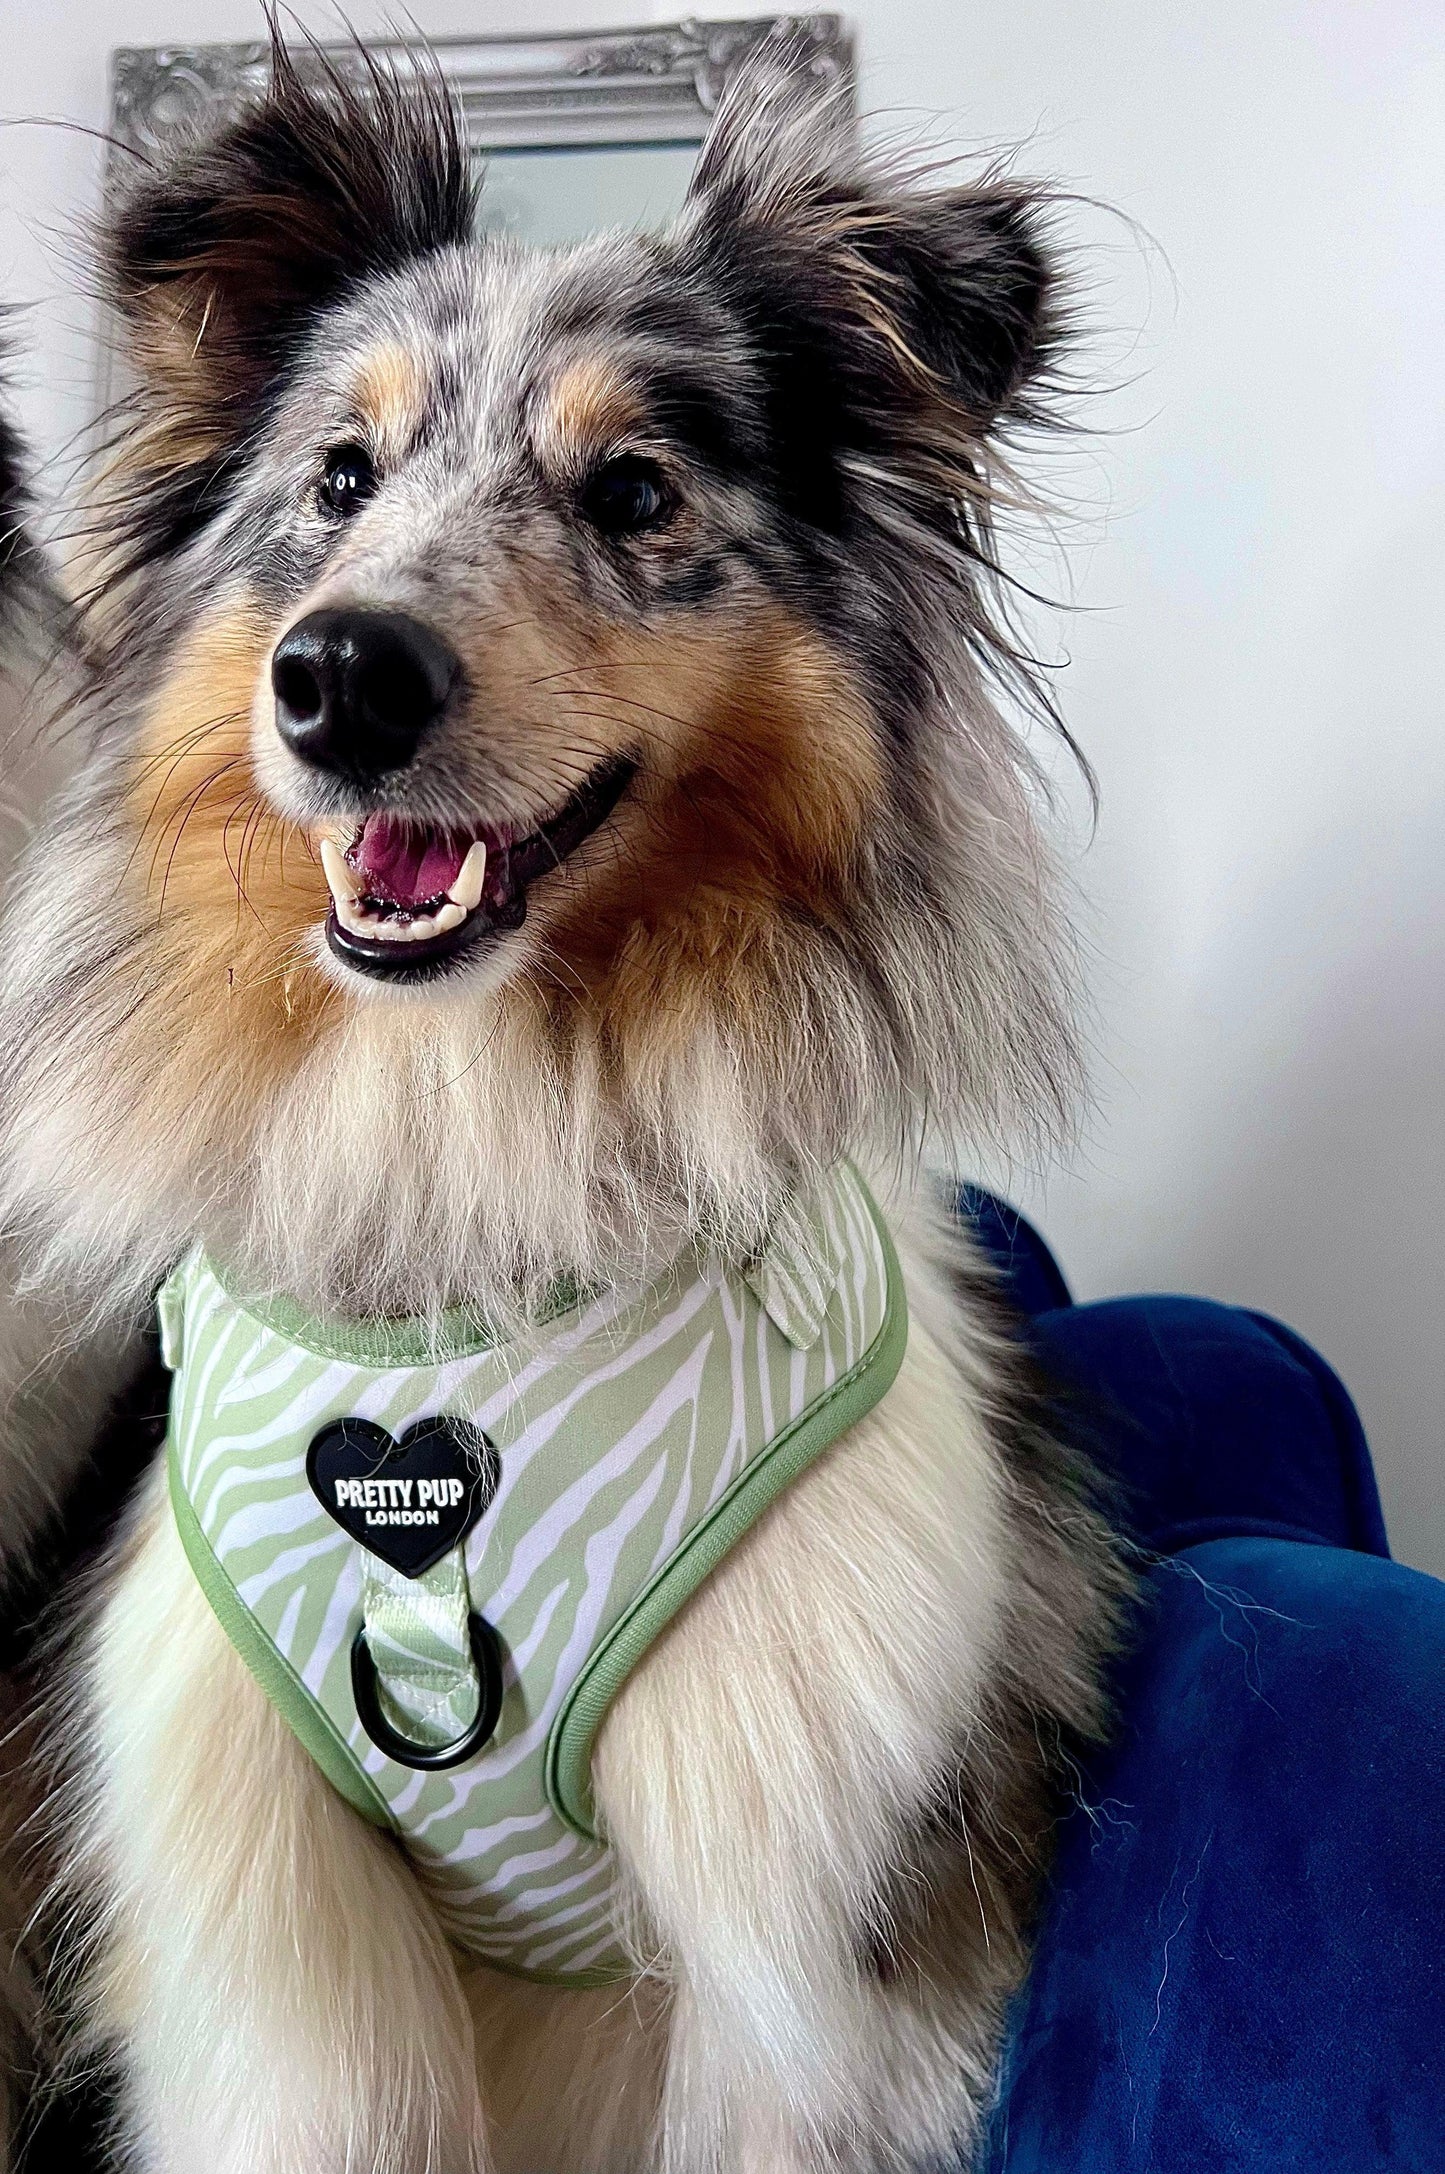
<point x="653" y="85"/>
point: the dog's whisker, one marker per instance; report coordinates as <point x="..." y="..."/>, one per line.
<point x="185" y="743"/>
<point x="146" y="829"/>
<point x="188" y="810"/>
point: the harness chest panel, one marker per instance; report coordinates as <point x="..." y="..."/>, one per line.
<point x="636" y="1440"/>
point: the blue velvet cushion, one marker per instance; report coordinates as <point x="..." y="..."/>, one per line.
<point x="1241" y="1969"/>
<point x="1216" y="1423"/>
<point x="1212" y="1421"/>
<point x="1238" y="1968"/>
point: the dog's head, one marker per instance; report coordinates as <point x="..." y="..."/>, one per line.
<point x="545" y="782"/>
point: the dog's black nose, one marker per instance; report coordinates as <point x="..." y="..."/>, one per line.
<point x="355" y="690"/>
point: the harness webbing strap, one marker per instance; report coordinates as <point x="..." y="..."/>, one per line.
<point x="416" y="1629"/>
<point x="794" y="1281"/>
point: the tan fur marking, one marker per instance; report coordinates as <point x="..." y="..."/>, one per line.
<point x="589" y="405"/>
<point x="390" y="392"/>
<point x="760" y="761"/>
<point x="235" y="890"/>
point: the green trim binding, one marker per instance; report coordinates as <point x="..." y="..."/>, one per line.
<point x="574" y="1732"/>
<point x="459" y="1333"/>
<point x="280" y="1682"/>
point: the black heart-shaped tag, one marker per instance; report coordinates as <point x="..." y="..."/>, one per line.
<point x="408" y="1501"/>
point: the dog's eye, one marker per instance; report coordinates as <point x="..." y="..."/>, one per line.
<point x="347" y="480"/>
<point x="625" y="496"/>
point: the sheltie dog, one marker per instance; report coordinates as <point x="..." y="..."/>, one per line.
<point x="546" y="801"/>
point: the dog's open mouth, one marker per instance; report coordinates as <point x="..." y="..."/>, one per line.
<point x="406" y="897"/>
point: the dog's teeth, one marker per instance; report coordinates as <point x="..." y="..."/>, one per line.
<point x="466" y="892"/>
<point x="350" y="915"/>
<point x="418" y="929"/>
<point x="389" y="928"/>
<point x="339" y="879"/>
<point x="361" y="916"/>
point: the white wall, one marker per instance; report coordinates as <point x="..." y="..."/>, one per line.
<point x="1257" y="665"/>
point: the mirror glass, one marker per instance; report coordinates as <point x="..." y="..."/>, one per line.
<point x="561" y="194"/>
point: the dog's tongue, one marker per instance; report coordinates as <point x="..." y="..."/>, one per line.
<point x="405" y="863"/>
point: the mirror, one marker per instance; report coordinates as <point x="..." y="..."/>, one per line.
<point x="550" y="196"/>
<point x="574" y="132"/>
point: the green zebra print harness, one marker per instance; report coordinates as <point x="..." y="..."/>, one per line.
<point x="604" y="1468"/>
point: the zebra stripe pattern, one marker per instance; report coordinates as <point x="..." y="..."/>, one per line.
<point x="627" y="1430"/>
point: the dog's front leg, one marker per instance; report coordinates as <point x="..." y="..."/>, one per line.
<point x="280" y="1998"/>
<point x="764" y="1776"/>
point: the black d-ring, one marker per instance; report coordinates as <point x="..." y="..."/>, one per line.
<point x="487" y="1658"/>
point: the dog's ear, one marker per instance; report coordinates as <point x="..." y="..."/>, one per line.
<point x="221" y="260"/>
<point x="902" y="319"/>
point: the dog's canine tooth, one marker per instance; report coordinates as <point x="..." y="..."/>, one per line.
<point x="455" y="910"/>
<point x="466" y="892"/>
<point x="339" y="879"/>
